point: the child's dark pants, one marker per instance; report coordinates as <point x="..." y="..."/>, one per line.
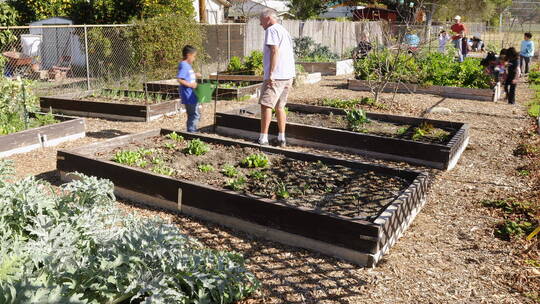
<point x="510" y="90"/>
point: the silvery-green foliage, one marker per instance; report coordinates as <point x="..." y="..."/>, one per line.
<point x="76" y="246"/>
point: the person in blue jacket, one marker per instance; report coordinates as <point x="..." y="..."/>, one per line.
<point x="526" y="53"/>
<point x="187" y="80"/>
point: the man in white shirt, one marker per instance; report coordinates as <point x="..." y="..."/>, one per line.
<point x="279" y="71"/>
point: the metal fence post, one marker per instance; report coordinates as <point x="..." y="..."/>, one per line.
<point x="86" y="56"/>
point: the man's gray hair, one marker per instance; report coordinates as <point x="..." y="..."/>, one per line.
<point x="268" y="12"/>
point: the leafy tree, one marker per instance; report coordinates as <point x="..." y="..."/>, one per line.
<point x="307" y="9"/>
<point x="8" y="17"/>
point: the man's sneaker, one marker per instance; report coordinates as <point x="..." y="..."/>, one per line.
<point x="262" y="143"/>
<point x="281" y="143"/>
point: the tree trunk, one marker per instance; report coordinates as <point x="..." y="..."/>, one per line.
<point x="202" y="11"/>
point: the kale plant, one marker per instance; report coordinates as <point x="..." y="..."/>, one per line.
<point x="75" y="246"/>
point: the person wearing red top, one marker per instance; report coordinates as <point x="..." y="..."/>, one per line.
<point x="459" y="31"/>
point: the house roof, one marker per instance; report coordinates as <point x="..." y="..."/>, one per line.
<point x="278" y="6"/>
<point x="224" y="3"/>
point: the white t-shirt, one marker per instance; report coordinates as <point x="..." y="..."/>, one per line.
<point x="285" y="68"/>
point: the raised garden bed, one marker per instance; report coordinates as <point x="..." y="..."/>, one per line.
<point x="347" y="209"/>
<point x="305" y="78"/>
<point x="335" y="68"/>
<point x="493" y="94"/>
<point x="227" y="90"/>
<point x="113" y="104"/>
<point x="68" y="128"/>
<point x="386" y="136"/>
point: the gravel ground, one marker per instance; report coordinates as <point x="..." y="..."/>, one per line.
<point x="448" y="255"/>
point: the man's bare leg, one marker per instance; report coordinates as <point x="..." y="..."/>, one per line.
<point x="266" y="118"/>
<point x="281" y="116"/>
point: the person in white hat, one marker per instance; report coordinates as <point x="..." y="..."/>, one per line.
<point x="459" y="32"/>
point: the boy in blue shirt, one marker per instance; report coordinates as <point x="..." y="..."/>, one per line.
<point x="188" y="82"/>
<point x="526" y="53"/>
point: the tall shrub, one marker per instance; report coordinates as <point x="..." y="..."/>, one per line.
<point x="158" y="42"/>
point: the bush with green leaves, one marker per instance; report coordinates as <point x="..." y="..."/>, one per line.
<point x="158" y="42"/>
<point x="76" y="246"/>
<point x="426" y="69"/>
<point x="14" y="105"/>
<point x="252" y="64"/>
<point x="307" y="50"/>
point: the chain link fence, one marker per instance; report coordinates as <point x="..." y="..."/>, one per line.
<point x="78" y="58"/>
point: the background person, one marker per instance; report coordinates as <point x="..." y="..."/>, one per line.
<point x="279" y="71"/>
<point x="188" y="82"/>
<point x="459" y="32"/>
<point x="526" y="52"/>
<point x="443" y="40"/>
<point x="512" y="74"/>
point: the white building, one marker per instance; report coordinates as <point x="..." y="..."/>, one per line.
<point x="253" y="8"/>
<point x="340" y="11"/>
<point x="215" y="10"/>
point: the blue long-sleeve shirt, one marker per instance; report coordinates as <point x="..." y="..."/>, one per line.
<point x="527" y="48"/>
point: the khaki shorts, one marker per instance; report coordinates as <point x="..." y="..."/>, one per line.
<point x="275" y="95"/>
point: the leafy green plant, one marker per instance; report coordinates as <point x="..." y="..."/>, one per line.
<point x="236" y="184"/>
<point x="197" y="147"/>
<point x="402" y="131"/>
<point x="174" y="136"/>
<point x="356" y="119"/>
<point x="44" y="119"/>
<point x="229" y="171"/>
<point x="423" y="130"/>
<point x="80" y="235"/>
<point x="258" y="175"/>
<point x="164" y="170"/>
<point x="205" y="168"/>
<point x="281" y="190"/>
<point x="235" y="65"/>
<point x="254" y="62"/>
<point x="258" y="160"/>
<point x="509" y="229"/>
<point x="130" y="158"/>
<point x="170" y="146"/>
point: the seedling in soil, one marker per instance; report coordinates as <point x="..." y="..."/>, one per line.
<point x="164" y="170"/>
<point x="197" y="147"/>
<point x="402" y="130"/>
<point x="158" y="161"/>
<point x="508" y="229"/>
<point x="170" y="146"/>
<point x="174" y="136"/>
<point x="281" y="190"/>
<point x="258" y="175"/>
<point x="525" y="149"/>
<point x="340" y="103"/>
<point x="422" y="130"/>
<point x="357" y="119"/>
<point x="130" y="158"/>
<point x="229" y="171"/>
<point x="258" y="160"/>
<point x="205" y="168"/>
<point x="236" y="184"/>
<point x="441" y="135"/>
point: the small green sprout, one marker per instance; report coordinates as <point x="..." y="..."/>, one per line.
<point x="205" y="168"/>
<point x="258" y="160"/>
<point x="197" y="147"/>
<point x="229" y="171"/>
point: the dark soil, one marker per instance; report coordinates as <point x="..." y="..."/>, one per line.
<point x="339" y="190"/>
<point x="375" y="127"/>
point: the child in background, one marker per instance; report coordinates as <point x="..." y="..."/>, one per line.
<point x="464" y="47"/>
<point x="512" y="74"/>
<point x="443" y="40"/>
<point x="188" y="82"/>
<point x="526" y="53"/>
